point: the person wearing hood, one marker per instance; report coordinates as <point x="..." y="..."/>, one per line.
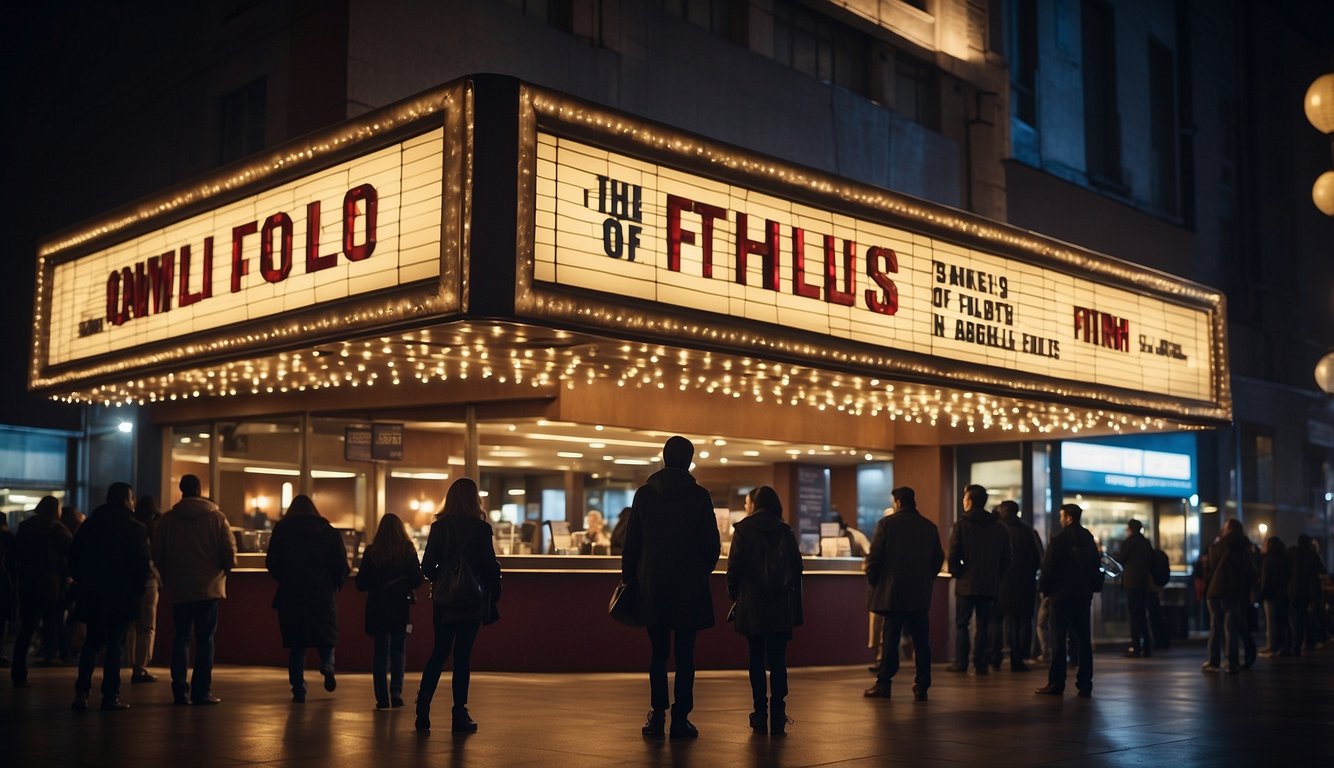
<point x="309" y="561"/>
<point x="194" y="550"/>
<point x="764" y="580"/>
<point x="671" y="547"/>
<point x="109" y="562"/>
<point x="979" y="554"/>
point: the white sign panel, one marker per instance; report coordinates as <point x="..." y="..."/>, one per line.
<point x="616" y="224"/>
<point x="361" y="226"/>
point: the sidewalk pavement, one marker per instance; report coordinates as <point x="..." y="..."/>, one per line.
<point x="1144" y="712"/>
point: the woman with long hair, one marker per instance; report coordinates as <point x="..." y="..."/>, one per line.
<point x="309" y="561"/>
<point x="389" y="575"/>
<point x="460" y="535"/>
<point x="764" y="579"/>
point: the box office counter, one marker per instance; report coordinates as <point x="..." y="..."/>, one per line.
<point x="554" y="619"/>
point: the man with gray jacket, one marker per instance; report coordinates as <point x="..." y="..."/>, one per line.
<point x="901" y="570"/>
<point x="194" y="550"/>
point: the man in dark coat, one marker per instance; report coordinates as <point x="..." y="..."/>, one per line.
<point x="671" y="547"/>
<point x="1275" y="573"/>
<point x="109" y="562"/>
<point x="1070" y="576"/>
<point x="41" y="566"/>
<point x="1013" y="622"/>
<point x="308" y="559"/>
<point x="979" y="553"/>
<point x="1303" y="590"/>
<point x="901" y="570"/>
<point x="1135" y="553"/>
<point x="1232" y="576"/>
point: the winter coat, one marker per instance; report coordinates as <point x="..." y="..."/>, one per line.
<point x="473" y="534"/>
<point x="41" y="559"/>
<point x="979" y="554"/>
<point x="1232" y="573"/>
<point x="904" y="562"/>
<point x="1275" y="573"/>
<point x="671" y="547"/>
<point x="7" y="594"/>
<point x="389" y="587"/>
<point x="1135" y="555"/>
<point x="309" y="561"/>
<point x="109" y="562"/>
<point x="760" y="610"/>
<point x="1019" y="586"/>
<point x="194" y="550"/>
<point x="1304" y="584"/>
<point x="1070" y="567"/>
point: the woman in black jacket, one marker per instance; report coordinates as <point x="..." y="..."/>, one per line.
<point x="389" y="575"/>
<point x="309" y="561"/>
<point x="764" y="579"/>
<point x="460" y="534"/>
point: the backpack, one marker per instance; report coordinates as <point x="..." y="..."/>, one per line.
<point x="775" y="565"/>
<point x="1160" y="568"/>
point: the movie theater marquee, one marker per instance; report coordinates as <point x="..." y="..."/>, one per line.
<point x="622" y="226"/>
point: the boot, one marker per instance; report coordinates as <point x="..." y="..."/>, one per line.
<point x="423" y="711"/>
<point x="778" y="718"/>
<point x="462" y="722"/>
<point x="759" y="719"/>
<point x="654" y="726"/>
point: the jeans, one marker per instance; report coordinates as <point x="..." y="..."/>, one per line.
<point x="459" y="637"/>
<point x="296" y="665"/>
<point x="200" y="619"/>
<point x="684" y="651"/>
<point x="965" y="606"/>
<point x="143" y="630"/>
<point x="767" y="650"/>
<point x="108" y="634"/>
<point x="1044" y="628"/>
<point x="920" y="630"/>
<point x="388" y="666"/>
<point x="52" y="618"/>
<point x="1071" y="620"/>
<point x="1139" y="625"/>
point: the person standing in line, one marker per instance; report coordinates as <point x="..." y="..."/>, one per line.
<point x="1134" y="555"/>
<point x="309" y="561"/>
<point x="901" y="572"/>
<point x="8" y="597"/>
<point x="460" y="534"/>
<point x="143" y="630"/>
<point x="764" y="580"/>
<point x="390" y="575"/>
<point x="1013" y="622"/>
<point x="1070" y="576"/>
<point x="1303" y="591"/>
<point x="1231" y="579"/>
<point x="979" y="553"/>
<point x="74" y="630"/>
<point x="671" y="547"/>
<point x="41" y="564"/>
<point x="1275" y="572"/>
<point x="109" y="562"/>
<point x="194" y="550"/>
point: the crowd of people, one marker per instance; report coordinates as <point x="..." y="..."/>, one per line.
<point x="104" y="575"/>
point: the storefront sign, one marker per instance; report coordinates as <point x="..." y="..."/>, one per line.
<point x="1121" y="470"/>
<point x="619" y="225"/>
<point x="387" y="442"/>
<point x="364" y="225"/>
<point x="357" y="442"/>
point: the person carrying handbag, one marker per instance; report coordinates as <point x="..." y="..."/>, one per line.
<point x="458" y="550"/>
<point x="389" y="574"/>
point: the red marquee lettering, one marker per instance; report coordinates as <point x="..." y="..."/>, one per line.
<point x="799" y="286"/>
<point x="113" y="299"/>
<point x="364" y="193"/>
<point x="314" y="261"/>
<point x="239" y="266"/>
<point x="880" y="262"/>
<point x="161" y="270"/>
<point x="767" y="249"/>
<point x="283" y="224"/>
<point x="846" y="297"/>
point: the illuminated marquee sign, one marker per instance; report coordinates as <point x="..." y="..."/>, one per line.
<point x="623" y="226"/>
<point x="364" y="225"/>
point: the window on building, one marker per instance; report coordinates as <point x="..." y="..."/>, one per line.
<point x="915" y="91"/>
<point x="1024" y="61"/>
<point x="1257" y="465"/>
<point x="557" y="13"/>
<point x="1162" y="127"/>
<point x="724" y="18"/>
<point x="821" y="47"/>
<point x="1102" y="121"/>
<point x="244" y="113"/>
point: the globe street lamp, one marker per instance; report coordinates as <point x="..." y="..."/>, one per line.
<point x="1319" y="107"/>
